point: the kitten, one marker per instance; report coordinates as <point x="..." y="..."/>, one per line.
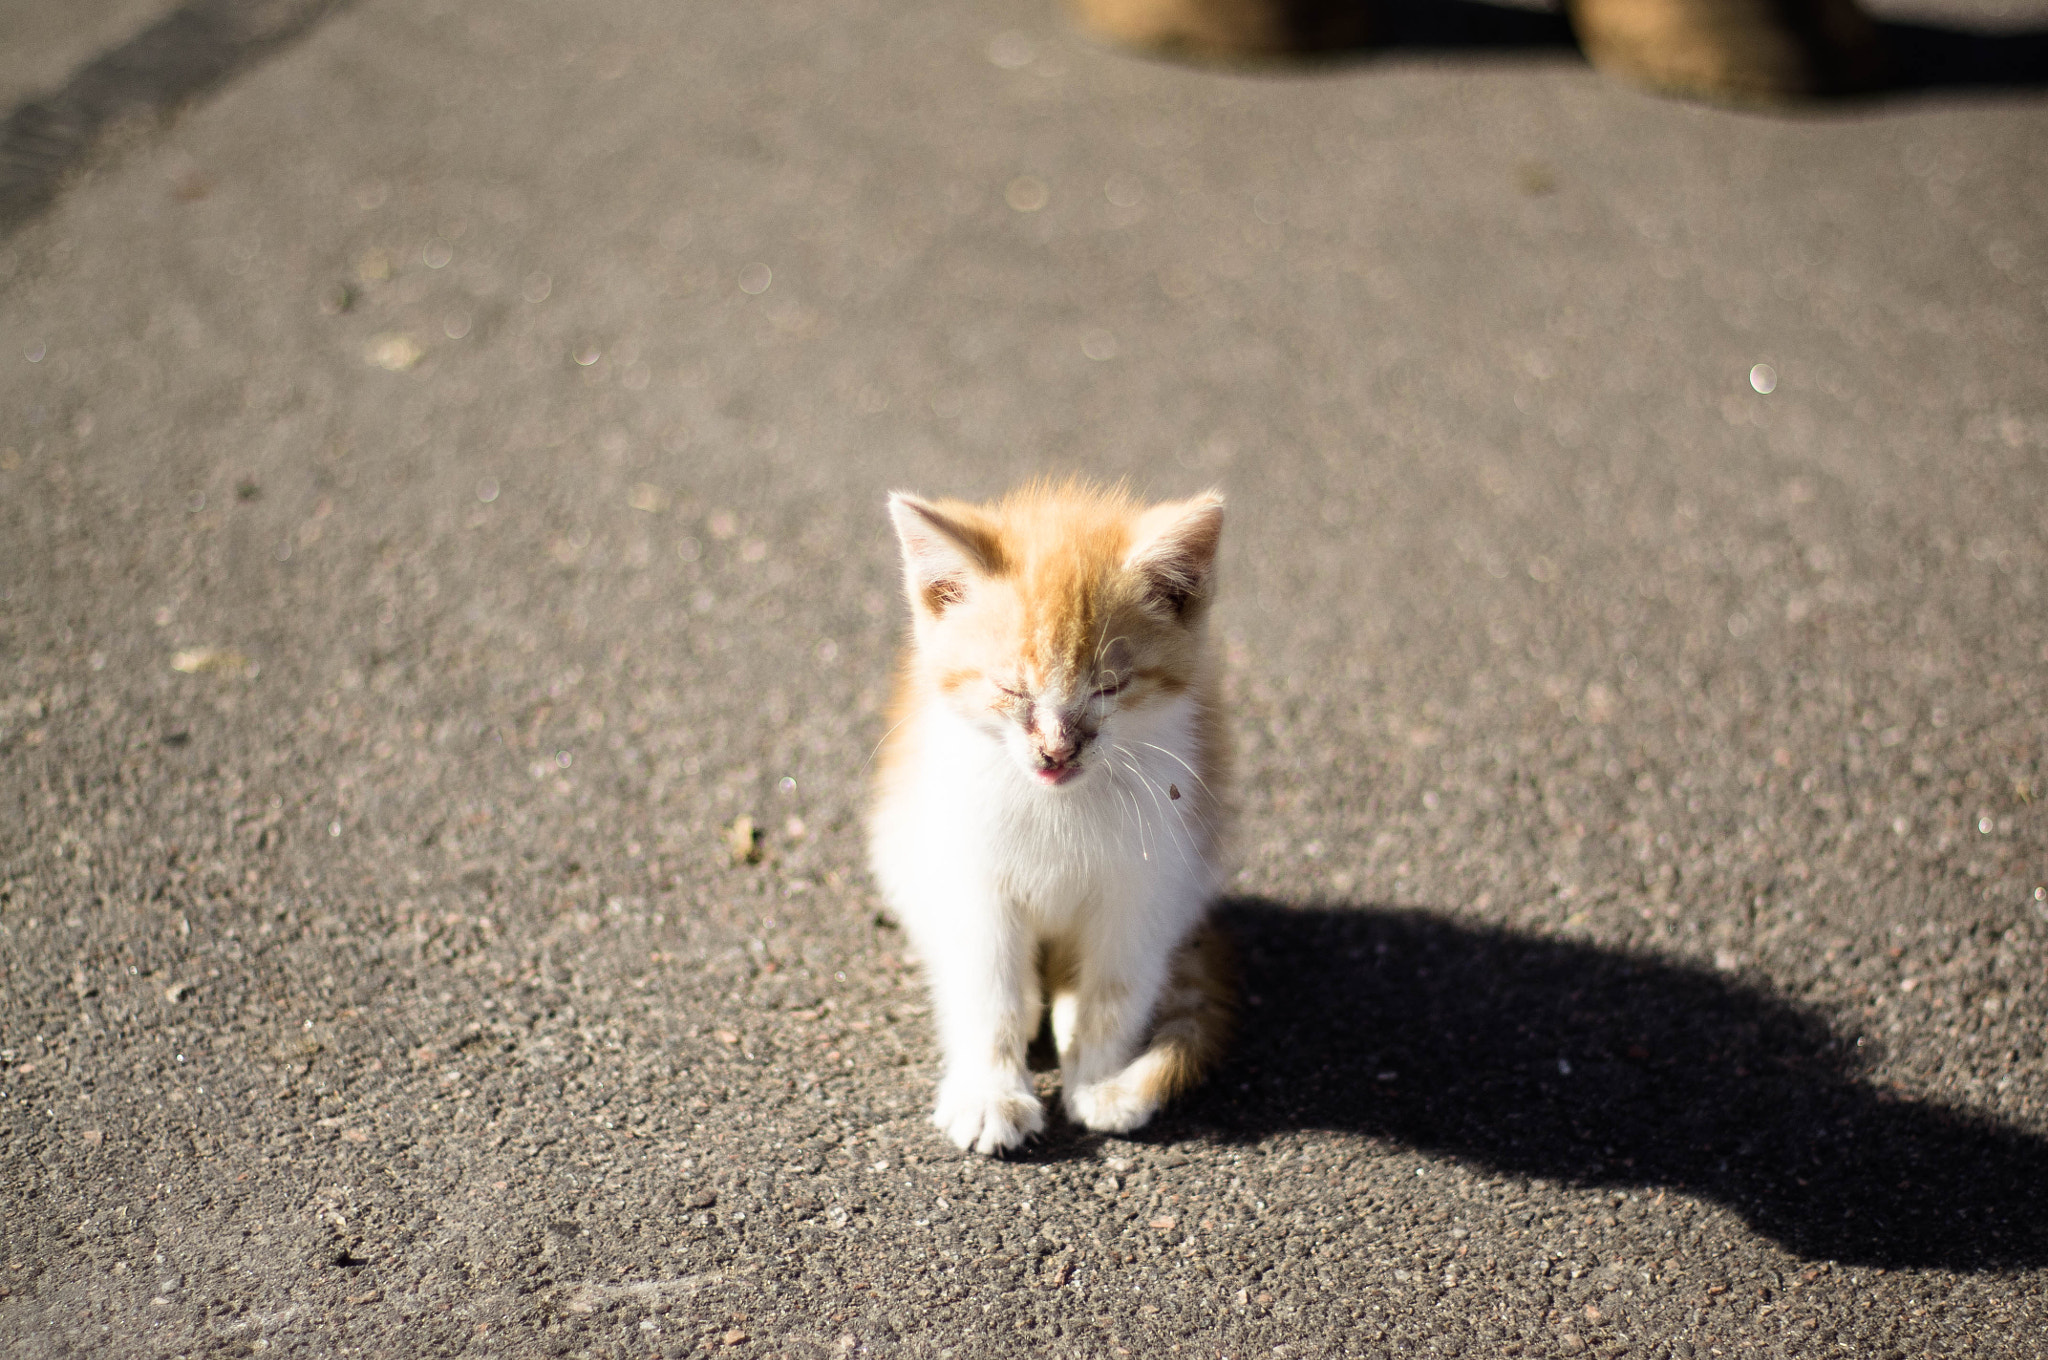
<point x="1053" y="798"/>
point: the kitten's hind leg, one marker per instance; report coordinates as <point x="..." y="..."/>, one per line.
<point x="1190" y="1020"/>
<point x="1100" y="1007"/>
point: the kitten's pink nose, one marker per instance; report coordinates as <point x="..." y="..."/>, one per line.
<point x="1054" y="754"/>
<point x="1056" y="744"/>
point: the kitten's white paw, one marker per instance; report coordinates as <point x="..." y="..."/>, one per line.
<point x="1116" y="1105"/>
<point x="990" y="1115"/>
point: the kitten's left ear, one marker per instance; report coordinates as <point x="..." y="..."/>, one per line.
<point x="942" y="551"/>
<point x="1173" y="546"/>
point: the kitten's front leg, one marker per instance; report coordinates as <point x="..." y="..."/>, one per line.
<point x="985" y="990"/>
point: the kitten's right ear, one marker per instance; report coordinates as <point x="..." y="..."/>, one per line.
<point x="942" y="552"/>
<point x="1174" y="550"/>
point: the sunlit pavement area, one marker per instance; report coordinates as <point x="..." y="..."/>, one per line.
<point x="442" y="450"/>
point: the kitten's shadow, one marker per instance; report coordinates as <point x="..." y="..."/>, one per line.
<point x="1543" y="1057"/>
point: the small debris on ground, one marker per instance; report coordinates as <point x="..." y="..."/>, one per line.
<point x="211" y="660"/>
<point x="743" y="839"/>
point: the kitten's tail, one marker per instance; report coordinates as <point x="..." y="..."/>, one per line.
<point x="1193" y="1019"/>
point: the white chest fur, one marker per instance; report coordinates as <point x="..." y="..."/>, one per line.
<point x="964" y="827"/>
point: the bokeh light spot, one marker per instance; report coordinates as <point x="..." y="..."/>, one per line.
<point x="1027" y="193"/>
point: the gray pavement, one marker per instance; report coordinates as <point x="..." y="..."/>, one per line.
<point x="440" y="492"/>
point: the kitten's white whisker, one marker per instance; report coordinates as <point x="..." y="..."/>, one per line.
<point x="1192" y="772"/>
<point x="1166" y="820"/>
<point x="1183" y="841"/>
<point x="1144" y="822"/>
<point x="1176" y="824"/>
<point x="1144" y="848"/>
<point x="883" y="742"/>
<point x="1126" y="805"/>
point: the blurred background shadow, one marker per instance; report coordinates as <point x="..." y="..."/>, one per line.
<point x="1928" y="58"/>
<point x="1549" y="1058"/>
<point x="193" y="49"/>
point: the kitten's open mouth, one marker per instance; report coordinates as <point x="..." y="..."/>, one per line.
<point x="1059" y="775"/>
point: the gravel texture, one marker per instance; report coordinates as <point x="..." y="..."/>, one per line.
<point x="440" y="495"/>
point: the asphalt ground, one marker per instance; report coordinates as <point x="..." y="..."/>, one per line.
<point x="441" y="480"/>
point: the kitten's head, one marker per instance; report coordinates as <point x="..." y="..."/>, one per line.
<point x="1057" y="614"/>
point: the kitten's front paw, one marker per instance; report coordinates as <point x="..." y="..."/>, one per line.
<point x="1116" y="1105"/>
<point x="989" y="1115"/>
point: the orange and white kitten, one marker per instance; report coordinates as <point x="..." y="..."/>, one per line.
<point x="1053" y="800"/>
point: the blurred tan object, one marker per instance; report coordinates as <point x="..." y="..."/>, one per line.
<point x="1734" y="50"/>
<point x="1225" y="30"/>
<point x="1741" y="51"/>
